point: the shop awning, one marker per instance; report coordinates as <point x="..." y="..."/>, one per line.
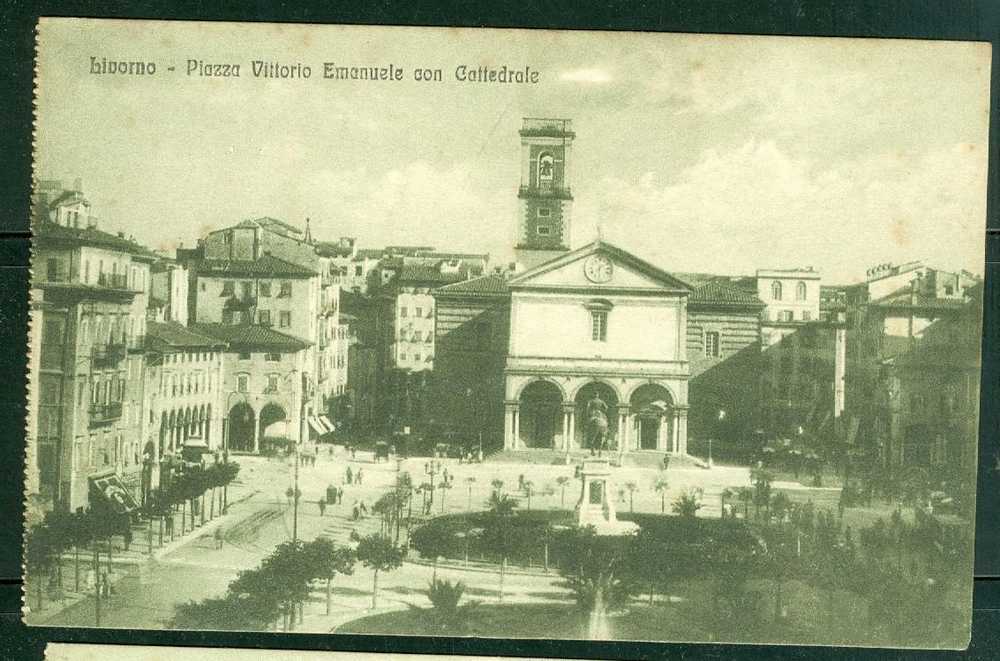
<point x="326" y="423"/>
<point x="113" y="493"/>
<point x="316" y="425"/>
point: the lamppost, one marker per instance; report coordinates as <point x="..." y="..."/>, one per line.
<point x="432" y="468"/>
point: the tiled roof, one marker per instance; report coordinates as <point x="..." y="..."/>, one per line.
<point x="266" y="266"/>
<point x="487" y="285"/>
<point x="49" y="232"/>
<point x="172" y="335"/>
<point x="252" y="336"/>
<point x="723" y="292"/>
<point x="67" y="195"/>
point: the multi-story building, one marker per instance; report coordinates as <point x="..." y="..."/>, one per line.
<point x="168" y="296"/>
<point x="183" y="390"/>
<point x="90" y="312"/>
<point x="266" y="386"/>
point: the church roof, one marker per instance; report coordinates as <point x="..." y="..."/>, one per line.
<point x="665" y="279"/>
<point x="47" y="232"/>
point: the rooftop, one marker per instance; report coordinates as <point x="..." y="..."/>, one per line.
<point x="47" y="232"/>
<point x="488" y="285"/>
<point x="252" y="336"/>
<point x="723" y="292"/>
<point x="267" y="266"/>
<point x="174" y="336"/>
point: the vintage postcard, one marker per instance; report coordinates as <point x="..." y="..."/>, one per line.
<point x="507" y="334"/>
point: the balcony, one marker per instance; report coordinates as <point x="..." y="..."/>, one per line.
<point x="112" y="280"/>
<point x="105" y="413"/>
<point x="107" y="356"/>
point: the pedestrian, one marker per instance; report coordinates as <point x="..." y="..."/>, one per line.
<point x="364" y="509"/>
<point x="355" y="511"/>
<point x="127" y="535"/>
<point x="520" y="482"/>
<point x="331" y="450"/>
<point x="218" y="538"/>
<point x="322" y="507"/>
<point x="358" y="476"/>
<point x="350" y="475"/>
<point x="340" y="495"/>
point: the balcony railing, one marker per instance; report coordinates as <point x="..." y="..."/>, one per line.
<point x="562" y="193"/>
<point x="112" y="280"/>
<point x="104" y="413"/>
<point x="107" y="356"/>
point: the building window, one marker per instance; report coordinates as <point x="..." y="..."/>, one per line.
<point x="272" y="357"/>
<point x="807" y="315"/>
<point x="285" y="319"/>
<point x="358" y="271"/>
<point x="949" y="290"/>
<point x="416" y="357"/>
<point x="402" y="311"/>
<point x="203" y="285"/>
<point x="776" y="291"/>
<point x="402" y="357"/>
<point x="272" y="383"/>
<point x="712" y="344"/>
<point x="228" y="288"/>
<point x="242" y="383"/>
<point x="544" y="212"/>
<point x="227" y="317"/>
<point x="420" y="312"/>
<point x="546" y="169"/>
<point x="265" y="289"/>
<point x="286" y="290"/>
<point x="599" y="325"/>
<point x="800" y="291"/>
<point x="785" y="315"/>
<point x="543" y="230"/>
<point x="264" y="317"/>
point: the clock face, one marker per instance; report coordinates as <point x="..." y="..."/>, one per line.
<point x="598" y="268"/>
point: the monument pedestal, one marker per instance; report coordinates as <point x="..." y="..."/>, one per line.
<point x="596" y="507"/>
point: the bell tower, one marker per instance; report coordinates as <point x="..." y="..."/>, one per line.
<point x="545" y="202"/>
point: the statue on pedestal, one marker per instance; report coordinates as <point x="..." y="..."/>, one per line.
<point x="597" y="424"/>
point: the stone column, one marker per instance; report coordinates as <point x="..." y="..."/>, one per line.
<point x="572" y="428"/>
<point x="256" y="435"/>
<point x="518" y="445"/>
<point x="674" y="430"/>
<point x="508" y="427"/>
<point x="682" y="433"/>
<point x="663" y="441"/>
<point x="567" y="411"/>
<point x="620" y="438"/>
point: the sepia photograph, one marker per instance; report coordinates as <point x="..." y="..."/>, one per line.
<point x="507" y="334"/>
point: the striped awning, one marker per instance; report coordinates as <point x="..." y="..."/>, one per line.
<point x="316" y="425"/>
<point x="326" y="423"/>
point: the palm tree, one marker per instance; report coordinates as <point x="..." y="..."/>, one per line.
<point x="500" y="533"/>
<point x="562" y="481"/>
<point x="470" y="481"/>
<point x="661" y="487"/>
<point x="631" y="486"/>
<point x="497" y="485"/>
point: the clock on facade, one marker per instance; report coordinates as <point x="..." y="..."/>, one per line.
<point x="598" y="268"/>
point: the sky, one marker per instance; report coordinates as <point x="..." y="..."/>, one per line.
<point x="697" y="152"/>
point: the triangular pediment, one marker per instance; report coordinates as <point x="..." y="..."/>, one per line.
<point x="611" y="268"/>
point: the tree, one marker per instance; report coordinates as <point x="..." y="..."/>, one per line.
<point x="379" y="554"/>
<point x="594" y="568"/>
<point x="497" y="485"/>
<point x="686" y="505"/>
<point x="444" y="486"/>
<point x="500" y="533"/>
<point x="661" y="487"/>
<point x="327" y="560"/>
<point x="40" y="553"/>
<point x="445" y="597"/>
<point x="562" y="481"/>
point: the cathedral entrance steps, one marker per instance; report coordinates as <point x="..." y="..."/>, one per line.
<point x="654" y="460"/>
<point x="539" y="457"/>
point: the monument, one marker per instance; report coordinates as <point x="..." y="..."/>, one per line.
<point x="596" y="507"/>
